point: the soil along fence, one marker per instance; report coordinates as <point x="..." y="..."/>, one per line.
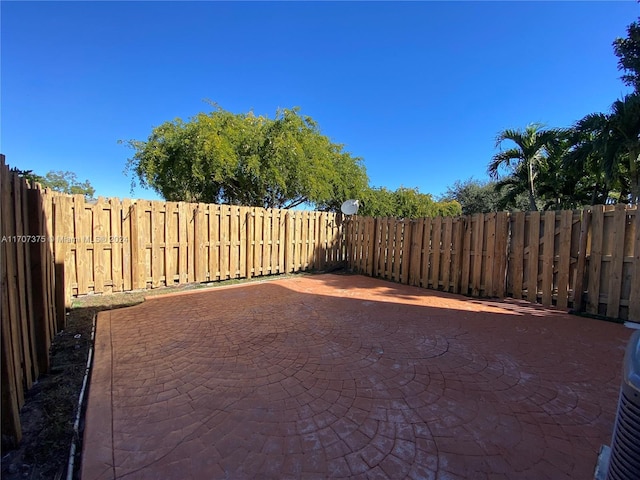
<point x="585" y="260"/>
<point x="28" y="297"/>
<point x="114" y="245"/>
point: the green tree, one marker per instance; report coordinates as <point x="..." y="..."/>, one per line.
<point x="242" y="159"/>
<point x="405" y="203"/>
<point x="628" y="52"/>
<point x="59" y="181"/>
<point x="562" y="184"/>
<point x="588" y="139"/>
<point x="474" y="196"/>
<point x="608" y="147"/>
<point x="622" y="150"/>
<point x="522" y="161"/>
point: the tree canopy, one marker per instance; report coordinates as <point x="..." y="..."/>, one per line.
<point x="59" y="181"/>
<point x="243" y="159"/>
<point x="474" y="196"/>
<point x="405" y="203"/>
<point x="628" y="52"/>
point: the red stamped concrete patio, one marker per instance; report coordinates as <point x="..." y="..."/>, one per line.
<point x="335" y="376"/>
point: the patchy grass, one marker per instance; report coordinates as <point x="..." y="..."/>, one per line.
<point x="49" y="411"/>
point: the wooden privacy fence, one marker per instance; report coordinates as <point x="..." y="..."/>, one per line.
<point x="28" y="309"/>
<point x="586" y="260"/>
<point x="115" y="245"/>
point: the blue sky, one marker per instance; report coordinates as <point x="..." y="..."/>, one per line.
<point x="419" y="90"/>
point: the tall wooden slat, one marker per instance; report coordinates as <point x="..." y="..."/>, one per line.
<point x="201" y="235"/>
<point x="313" y="237"/>
<point x="242" y="241"/>
<point x="170" y="242"/>
<point x="490" y="246"/>
<point x="578" y="294"/>
<point x="64" y="235"/>
<point x="236" y="246"/>
<point x="158" y="242"/>
<point x="634" y="296"/>
<point x="224" y="242"/>
<point x="24" y="323"/>
<point x="295" y="241"/>
<point x="595" y="259"/>
<point x="390" y="254"/>
<point x="405" y="259"/>
<point x="215" y="220"/>
<point x="83" y="245"/>
<point x="272" y="250"/>
<point x="11" y="325"/>
<point x="288" y="241"/>
<point x="183" y="227"/>
<point x="396" y="256"/>
<point x="39" y="279"/>
<point x="516" y="259"/>
<point x="478" y="235"/>
<point x="564" y="258"/>
<point x="11" y="386"/>
<point x="617" y="257"/>
<point x="436" y="245"/>
<point x="466" y="255"/>
<point x="307" y="233"/>
<point x="47" y="223"/>
<point x="445" y="266"/>
<point x="117" y="243"/>
<point x="323" y="241"/>
<point x="352" y="241"/>
<point x="370" y="234"/>
<point x="258" y="262"/>
<point x="377" y="241"/>
<point x="267" y="239"/>
<point x="366" y="244"/>
<point x="500" y="268"/>
<point x="11" y="373"/>
<point x="128" y="244"/>
<point x="99" y="234"/>
<point x="534" y="256"/>
<point x="282" y="241"/>
<point x="458" y="245"/>
<point x="548" y="254"/>
<point x="417" y="231"/>
<point x="384" y="248"/>
<point x="356" y="243"/>
<point x="250" y="239"/>
<point x="138" y="247"/>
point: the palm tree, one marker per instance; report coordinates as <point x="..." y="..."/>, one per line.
<point x="523" y="160"/>
<point x="588" y="139"/>
<point x="623" y="147"/>
<point x="609" y="145"/>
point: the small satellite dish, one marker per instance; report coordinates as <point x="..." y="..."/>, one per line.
<point x="350" y="207"/>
